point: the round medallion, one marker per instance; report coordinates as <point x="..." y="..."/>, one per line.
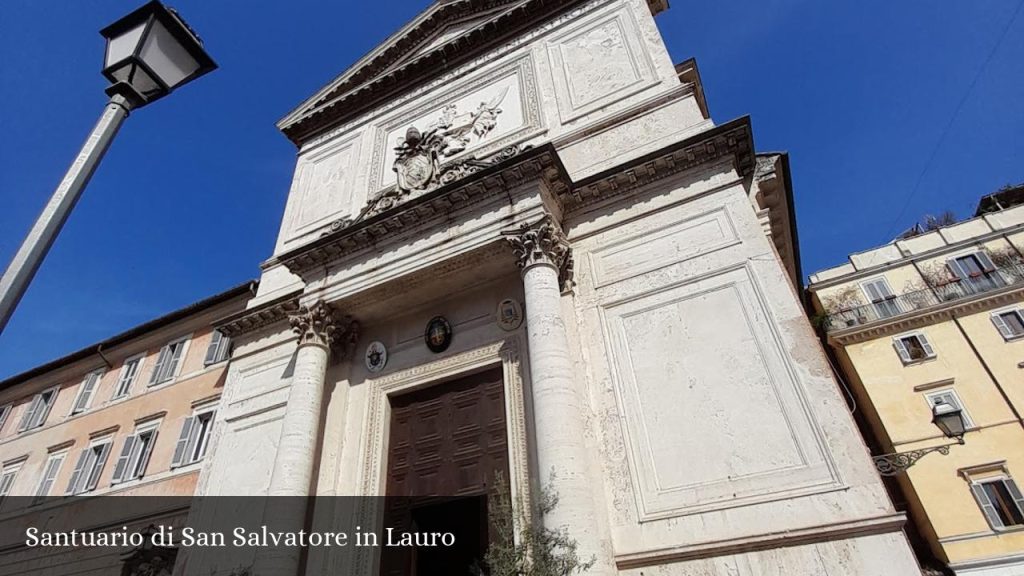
<point x="510" y="314"/>
<point x="376" y="356"/>
<point x="438" y="334"/>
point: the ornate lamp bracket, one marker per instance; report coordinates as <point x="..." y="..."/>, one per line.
<point x="319" y="324"/>
<point x="897" y="463"/>
<point x="543" y="243"/>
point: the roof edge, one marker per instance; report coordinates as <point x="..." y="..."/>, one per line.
<point x="248" y="286"/>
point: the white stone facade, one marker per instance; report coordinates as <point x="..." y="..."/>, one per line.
<point x="665" y="370"/>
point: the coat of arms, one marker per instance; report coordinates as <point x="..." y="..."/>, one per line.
<point x="417" y="164"/>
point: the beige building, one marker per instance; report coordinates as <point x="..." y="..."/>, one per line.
<point x="937" y="317"/>
<point x="132" y="415"/>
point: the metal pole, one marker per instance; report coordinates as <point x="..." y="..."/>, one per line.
<point x="28" y="258"/>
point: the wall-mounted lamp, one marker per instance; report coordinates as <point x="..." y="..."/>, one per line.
<point x="947" y="418"/>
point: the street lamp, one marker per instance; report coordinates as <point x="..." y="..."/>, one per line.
<point x="150" y="53"/>
<point x="947" y="418"/>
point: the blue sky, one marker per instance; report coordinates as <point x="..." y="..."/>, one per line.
<point x="189" y="198"/>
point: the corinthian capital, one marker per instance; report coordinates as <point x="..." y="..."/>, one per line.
<point x="319" y="324"/>
<point x="543" y="243"/>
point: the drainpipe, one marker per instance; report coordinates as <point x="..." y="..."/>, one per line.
<point x="99" y="350"/>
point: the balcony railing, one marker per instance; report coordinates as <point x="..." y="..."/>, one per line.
<point x="957" y="289"/>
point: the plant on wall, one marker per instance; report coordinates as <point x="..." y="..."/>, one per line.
<point x="843" y="301"/>
<point x="522" y="549"/>
<point x="1009" y="262"/>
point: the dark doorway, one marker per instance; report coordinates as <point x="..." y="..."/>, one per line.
<point x="447" y="446"/>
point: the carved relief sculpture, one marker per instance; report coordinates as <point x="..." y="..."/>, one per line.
<point x="419" y="153"/>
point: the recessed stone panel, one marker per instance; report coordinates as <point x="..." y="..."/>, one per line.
<point x="713" y="415"/>
<point x="323" y="184"/>
<point x="598" y="63"/>
<point x="663" y="246"/>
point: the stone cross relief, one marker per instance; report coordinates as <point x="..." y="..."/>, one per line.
<point x="419" y="154"/>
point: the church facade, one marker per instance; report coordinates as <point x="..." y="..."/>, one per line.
<point x="517" y="246"/>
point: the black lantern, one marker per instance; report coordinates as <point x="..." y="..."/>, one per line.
<point x="950" y="420"/>
<point x="150" y="52"/>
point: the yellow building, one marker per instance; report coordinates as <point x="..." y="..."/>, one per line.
<point x="933" y="318"/>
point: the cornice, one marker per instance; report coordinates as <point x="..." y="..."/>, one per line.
<point x="542" y="163"/>
<point x="539" y="163"/>
<point x="371" y="80"/>
<point x="927" y="316"/>
<point x="261" y="316"/>
<point x="733" y="138"/>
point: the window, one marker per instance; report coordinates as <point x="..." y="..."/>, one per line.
<point x="5" y="411"/>
<point x="38" y="409"/>
<point x="976" y="271"/>
<point x="50" y="471"/>
<point x="913" y="348"/>
<point x="129" y="371"/>
<point x="131" y="464"/>
<point x="1010" y="323"/>
<point x="167" y="363"/>
<point x="950" y="398"/>
<point x="85" y="392"/>
<point x="883" y="300"/>
<point x="1001" y="502"/>
<point x="89" y="467"/>
<point x="218" y="350"/>
<point x="195" y="435"/>
<point x="7" y="476"/>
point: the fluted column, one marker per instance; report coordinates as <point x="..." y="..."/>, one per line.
<point x="318" y="329"/>
<point x="544" y="256"/>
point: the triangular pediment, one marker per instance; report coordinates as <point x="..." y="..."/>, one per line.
<point x="436" y="27"/>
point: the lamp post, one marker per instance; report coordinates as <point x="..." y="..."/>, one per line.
<point x="948" y="419"/>
<point x="150" y="53"/>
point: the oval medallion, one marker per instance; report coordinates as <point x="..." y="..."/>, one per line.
<point x="438" y="334"/>
<point x="376" y="356"/>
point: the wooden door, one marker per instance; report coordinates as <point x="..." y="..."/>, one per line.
<point x="447" y="445"/>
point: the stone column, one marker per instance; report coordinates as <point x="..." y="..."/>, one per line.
<point x="545" y="259"/>
<point x="317" y="328"/>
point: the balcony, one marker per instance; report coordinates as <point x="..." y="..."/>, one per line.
<point x="953" y="290"/>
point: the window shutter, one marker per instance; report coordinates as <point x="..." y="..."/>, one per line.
<point x="83" y="456"/>
<point x="901" y="349"/>
<point x="181" y="448"/>
<point x="122" y="461"/>
<point x="158" y="369"/>
<point x="1002" y="326"/>
<point x="6" y="481"/>
<point x="1018" y="498"/>
<point x="873" y="293"/>
<point x="928" y="350"/>
<point x="45" y="403"/>
<point x="85" y="394"/>
<point x="30" y="414"/>
<point x="212" y="351"/>
<point x="144" y="456"/>
<point x="985" y="261"/>
<point x="172" y="365"/>
<point x="986" y="506"/>
<point x="97" y="467"/>
<point x="956" y="269"/>
<point x="49" y="475"/>
<point x="5" y="411"/>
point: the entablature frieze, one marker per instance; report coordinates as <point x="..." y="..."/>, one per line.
<point x="385" y="218"/>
